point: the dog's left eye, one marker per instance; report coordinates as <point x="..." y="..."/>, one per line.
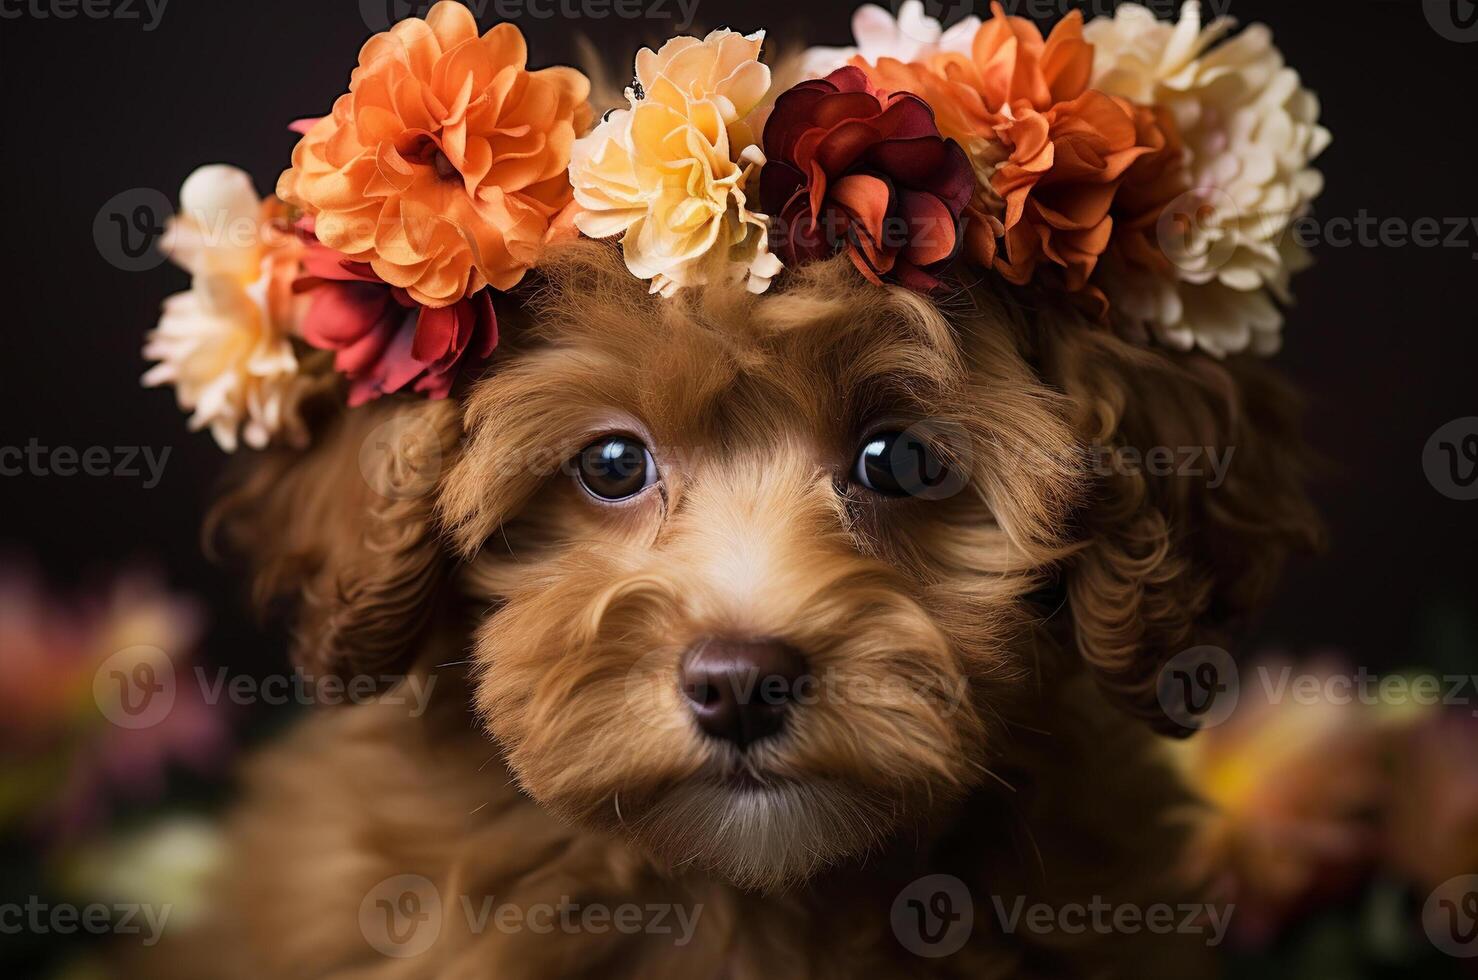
<point x="615" y="467"/>
<point x="898" y="464"/>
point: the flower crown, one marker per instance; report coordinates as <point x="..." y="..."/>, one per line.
<point x="1148" y="171"/>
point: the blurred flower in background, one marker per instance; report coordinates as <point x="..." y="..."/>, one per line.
<point x="1432" y="829"/>
<point x="1331" y="811"/>
<point x="1328" y="814"/>
<point x="167" y="864"/>
<point x="67" y="750"/>
<point x="1293" y="789"/>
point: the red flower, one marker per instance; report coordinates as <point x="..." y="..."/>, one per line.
<point x="386" y="340"/>
<point x="856" y="167"/>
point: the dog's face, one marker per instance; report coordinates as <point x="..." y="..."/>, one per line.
<point x="754" y="572"/>
<point x="755" y="617"/>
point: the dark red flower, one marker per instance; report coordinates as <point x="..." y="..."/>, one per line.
<point x="852" y="166"/>
<point x="385" y="340"/>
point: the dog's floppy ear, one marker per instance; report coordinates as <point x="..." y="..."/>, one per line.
<point x="1198" y="496"/>
<point x="345" y="533"/>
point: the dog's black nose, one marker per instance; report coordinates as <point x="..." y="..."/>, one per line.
<point x="740" y="691"/>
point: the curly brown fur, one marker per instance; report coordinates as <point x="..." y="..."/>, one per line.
<point x="964" y="728"/>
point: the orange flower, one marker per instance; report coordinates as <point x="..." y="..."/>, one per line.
<point x="444" y="164"/>
<point x="1051" y="154"/>
<point x="1009" y="69"/>
<point x="1152" y="182"/>
<point x="1059" y="183"/>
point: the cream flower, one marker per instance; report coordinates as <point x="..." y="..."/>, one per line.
<point x="913" y="36"/>
<point x="1250" y="130"/>
<point x="224" y="344"/>
<point x="669" y="174"/>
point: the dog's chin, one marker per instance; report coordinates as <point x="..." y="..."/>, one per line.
<point x="765" y="836"/>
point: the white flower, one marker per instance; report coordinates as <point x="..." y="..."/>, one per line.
<point x="914" y="35"/>
<point x="1251" y="130"/>
<point x="168" y="864"/>
<point x="224" y="344"/>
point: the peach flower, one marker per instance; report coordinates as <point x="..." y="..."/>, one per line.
<point x="1051" y="154"/>
<point x="723" y="68"/>
<point x="444" y="164"/>
<point x="670" y="174"/>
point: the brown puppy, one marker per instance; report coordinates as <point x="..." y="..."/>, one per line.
<point x="707" y="635"/>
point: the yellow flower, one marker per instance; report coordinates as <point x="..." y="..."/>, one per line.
<point x="669" y="174"/>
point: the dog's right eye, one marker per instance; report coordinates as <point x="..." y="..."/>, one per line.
<point x="898" y="464"/>
<point x="615" y="467"/>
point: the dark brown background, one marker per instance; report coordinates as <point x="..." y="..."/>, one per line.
<point x="1382" y="341"/>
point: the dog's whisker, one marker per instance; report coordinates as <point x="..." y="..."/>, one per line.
<point x="1026" y="728"/>
<point x="994" y="775"/>
<point x="1031" y="839"/>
